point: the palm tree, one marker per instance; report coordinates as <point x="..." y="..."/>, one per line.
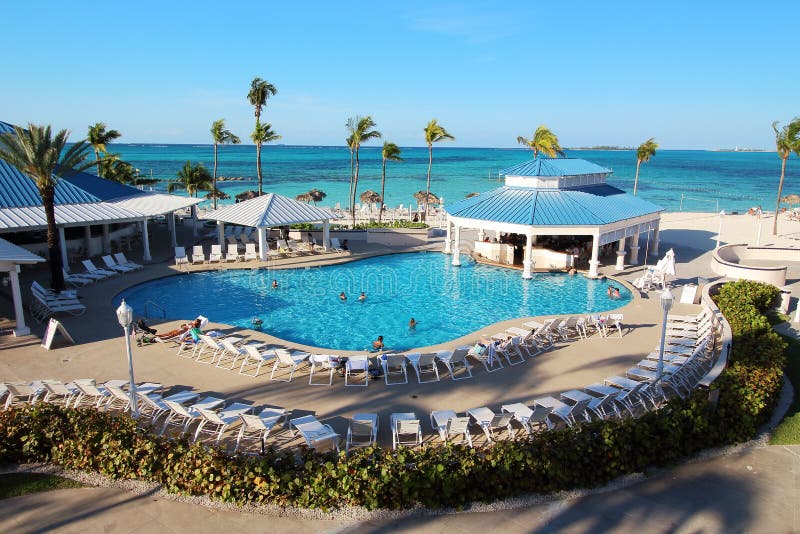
<point x="391" y="152"/>
<point x="260" y="91"/>
<point x="543" y="141"/>
<point x="361" y="131"/>
<point x="434" y="133"/>
<point x="643" y="154"/>
<point x="262" y="134"/>
<point x="98" y="137"/>
<point x="36" y="153"/>
<point x="351" y="147"/>
<point x="787" y="140"/>
<point x="221" y="136"/>
<point x="193" y="178"/>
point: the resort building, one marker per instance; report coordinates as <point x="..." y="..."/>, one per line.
<point x="551" y="213"/>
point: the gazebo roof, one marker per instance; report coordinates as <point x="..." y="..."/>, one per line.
<point x="11" y="253"/>
<point x="594" y="205"/>
<point x="268" y="211"/>
<point x="543" y="166"/>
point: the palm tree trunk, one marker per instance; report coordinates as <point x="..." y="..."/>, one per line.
<point x="428" y="185"/>
<point x="383" y="189"/>
<point x="780" y="191"/>
<point x="636" y="180"/>
<point x="214" y="180"/>
<point x="350" y="190"/>
<point x="97" y="159"/>
<point x="355" y="190"/>
<point x="258" y="168"/>
<point x="53" y="241"/>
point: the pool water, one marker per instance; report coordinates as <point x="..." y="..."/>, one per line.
<point x="447" y="302"/>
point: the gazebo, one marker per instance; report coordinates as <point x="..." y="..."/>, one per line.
<point x="559" y="196"/>
<point x="11" y="257"/>
<point x="270" y="211"/>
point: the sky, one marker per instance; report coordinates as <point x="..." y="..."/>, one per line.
<point x="694" y="75"/>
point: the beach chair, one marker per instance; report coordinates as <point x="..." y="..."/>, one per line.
<point x="122" y="260"/>
<point x="405" y="424"/>
<point x="198" y="254"/>
<point x="183" y="416"/>
<point x="250" y="252"/>
<point x="454" y="360"/>
<point x="511" y="351"/>
<point x="93" y="271"/>
<point x="362" y="431"/>
<point x="233" y="353"/>
<point x="259" y="426"/>
<point x="114" y="266"/>
<point x="528" y="418"/>
<point x="216" y="423"/>
<point x="487" y="355"/>
<point x="356" y="364"/>
<point x="569" y="328"/>
<point x="256" y="358"/>
<point x="90" y="394"/>
<point x="77" y="280"/>
<point x="216" y="254"/>
<point x="490" y="422"/>
<point x="424" y="364"/>
<point x="18" y="393"/>
<point x="336" y="246"/>
<point x="394" y="365"/>
<point x="448" y="424"/>
<point x="43" y="306"/>
<point x="314" y="433"/>
<point x="180" y="256"/>
<point x="291" y="360"/>
<point x="59" y="393"/>
<point x="152" y="405"/>
<point x="233" y="253"/>
<point x="322" y="363"/>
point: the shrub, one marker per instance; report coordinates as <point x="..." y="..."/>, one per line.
<point x="450" y="475"/>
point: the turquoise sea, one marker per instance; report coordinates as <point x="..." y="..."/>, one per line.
<point x="691" y="180"/>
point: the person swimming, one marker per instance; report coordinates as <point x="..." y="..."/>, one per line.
<point x="412" y="324"/>
<point x="274" y="284"/>
<point x="378" y="343"/>
<point x="362" y="297"/>
<point x="342" y="296"/>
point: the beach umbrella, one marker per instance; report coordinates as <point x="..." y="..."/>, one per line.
<point x="668" y="266"/>
<point x="317" y="195"/>
<point x="473" y="194"/>
<point x="246" y="195"/>
<point x="221" y="195"/>
<point x="369" y="196"/>
<point x="421" y="198"/>
<point x="303" y="197"/>
<point x="791" y="199"/>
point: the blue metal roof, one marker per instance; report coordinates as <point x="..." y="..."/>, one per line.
<point x="18" y="190"/>
<point x="594" y="205"/>
<point x="102" y="188"/>
<point x="542" y="166"/>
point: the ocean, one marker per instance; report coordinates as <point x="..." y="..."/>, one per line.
<point x="688" y="180"/>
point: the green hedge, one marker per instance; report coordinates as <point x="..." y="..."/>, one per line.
<point x="452" y="475"/>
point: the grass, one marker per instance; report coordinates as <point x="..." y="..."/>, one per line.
<point x="17" y="484"/>
<point x="788" y="431"/>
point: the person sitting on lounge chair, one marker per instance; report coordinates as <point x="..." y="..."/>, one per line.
<point x="180" y="330"/>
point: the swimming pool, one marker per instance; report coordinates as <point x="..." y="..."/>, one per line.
<point x="447" y="302"/>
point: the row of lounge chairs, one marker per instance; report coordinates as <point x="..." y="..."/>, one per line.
<point x="233" y="252"/>
<point x="46" y="302"/>
<point x="114" y="265"/>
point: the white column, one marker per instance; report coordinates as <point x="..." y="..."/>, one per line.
<point x="656" y="237"/>
<point x="63" y="244"/>
<point x="448" y="239"/>
<point x="195" y="231"/>
<point x="87" y="240"/>
<point x="635" y="249"/>
<point x="620" y="255"/>
<point x="326" y="235"/>
<point x="21" y="329"/>
<point x="106" y="240"/>
<point x="221" y="233"/>
<point x="527" y="262"/>
<point x="594" y="263"/>
<point x="171" y="224"/>
<point x="262" y="243"/>
<point x="146" y="241"/>
<point x="457" y="246"/>
<point x="497" y="235"/>
<point x="481" y="234"/>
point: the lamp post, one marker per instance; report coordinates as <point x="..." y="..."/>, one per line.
<point x="125" y="318"/>
<point x="758" y="236"/>
<point x="666" y="300"/>
<point x="721" y="215"/>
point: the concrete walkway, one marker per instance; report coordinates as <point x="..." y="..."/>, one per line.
<point x="755" y="490"/>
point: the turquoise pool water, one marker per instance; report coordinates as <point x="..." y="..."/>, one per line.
<point x="447" y="302"/>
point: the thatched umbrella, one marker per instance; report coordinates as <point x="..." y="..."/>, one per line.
<point x="369" y="196"/>
<point x="303" y="197"/>
<point x="472" y="195"/>
<point x="791" y="199"/>
<point x="420" y="197"/>
<point x="221" y="195"/>
<point x="246" y="195"/>
<point x="317" y="195"/>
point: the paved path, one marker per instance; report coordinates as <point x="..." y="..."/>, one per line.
<point x="757" y="490"/>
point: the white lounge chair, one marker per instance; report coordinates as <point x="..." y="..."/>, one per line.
<point x="259" y="426"/>
<point x="198" y="254"/>
<point x="122" y="260"/>
<point x="250" y="252"/>
<point x="208" y="344"/>
<point x="394" y="365"/>
<point x="216" y="254"/>
<point x="314" y="433"/>
<point x="180" y="256"/>
<point x="59" y="393"/>
<point x="183" y="416"/>
<point x="448" y="424"/>
<point x="405" y="424"/>
<point x="114" y="266"/>
<point x="321" y="363"/>
<point x="233" y="352"/>
<point x="77" y="280"/>
<point x="491" y="422"/>
<point x="362" y="430"/>
<point x="233" y="253"/>
<point x="454" y="360"/>
<point x="336" y="246"/>
<point x="255" y="358"/>
<point x="292" y="360"/>
<point x="487" y="356"/>
<point x="424" y="364"/>
<point x="356" y="364"/>
<point x="526" y="417"/>
<point x="93" y="271"/>
<point x="90" y="394"/>
<point x="216" y="423"/>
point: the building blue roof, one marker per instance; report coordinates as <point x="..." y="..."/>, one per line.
<point x="542" y="166"/>
<point x="18" y="190"/>
<point x="101" y="188"/>
<point x="594" y="205"/>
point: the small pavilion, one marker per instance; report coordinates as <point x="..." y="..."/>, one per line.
<point x="11" y="257"/>
<point x="556" y="197"/>
<point x="271" y="211"/>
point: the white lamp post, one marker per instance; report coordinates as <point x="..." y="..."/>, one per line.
<point x="125" y="318"/>
<point x="666" y="303"/>
<point x="721" y="215"/>
<point x="758" y="236"/>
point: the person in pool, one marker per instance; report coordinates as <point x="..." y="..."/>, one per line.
<point x="342" y="296"/>
<point x="378" y="343"/>
<point x="362" y="297"/>
<point x="412" y="324"/>
<point x="274" y="284"/>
